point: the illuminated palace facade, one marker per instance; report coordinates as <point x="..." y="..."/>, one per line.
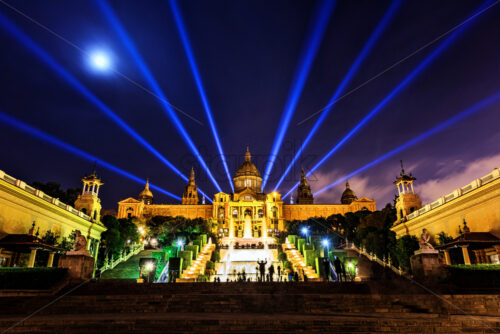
<point x="228" y="212"/>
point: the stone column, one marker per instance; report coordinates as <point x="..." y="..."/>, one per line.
<point x="478" y="255"/>
<point x="447" y="257"/>
<point x="50" y="261"/>
<point x="465" y="253"/>
<point x="31" y="261"/>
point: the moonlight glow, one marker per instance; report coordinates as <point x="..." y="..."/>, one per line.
<point x="100" y="60"/>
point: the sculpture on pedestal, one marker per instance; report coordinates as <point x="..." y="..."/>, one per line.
<point x="424" y="241"/>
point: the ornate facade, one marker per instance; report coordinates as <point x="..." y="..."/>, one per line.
<point x="228" y="212"/>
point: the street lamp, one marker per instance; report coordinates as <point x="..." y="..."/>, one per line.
<point x="326" y="243"/>
<point x="305" y="231"/>
<point x="180" y="244"/>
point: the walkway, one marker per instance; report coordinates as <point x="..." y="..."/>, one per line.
<point x="128" y="269"/>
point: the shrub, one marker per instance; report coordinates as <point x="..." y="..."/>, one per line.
<point x="282" y="257"/>
<point x="193" y="249"/>
<point x="483" y="275"/>
<point x="215" y="256"/>
<point x="300" y="244"/>
<point x="210" y="265"/>
<point x="186" y="258"/>
<point x="30" y="278"/>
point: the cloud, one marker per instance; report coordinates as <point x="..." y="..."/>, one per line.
<point x="363" y="186"/>
<point x="458" y="174"/>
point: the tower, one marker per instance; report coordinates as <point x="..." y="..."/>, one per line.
<point x="304" y="194"/>
<point x="348" y="196"/>
<point x="190" y="195"/>
<point x="89" y="202"/>
<point x="407" y="201"/>
<point x="146" y="196"/>
<point x="247" y="177"/>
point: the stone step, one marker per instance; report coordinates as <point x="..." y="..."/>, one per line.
<point x="249" y="323"/>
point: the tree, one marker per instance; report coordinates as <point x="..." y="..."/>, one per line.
<point x="52" y="189"/>
<point x="444" y="238"/>
<point x="405" y="247"/>
<point x="49" y="238"/>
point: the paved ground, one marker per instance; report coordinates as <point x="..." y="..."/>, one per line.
<point x="128" y="269"/>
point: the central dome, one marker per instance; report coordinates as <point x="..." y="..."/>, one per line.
<point x="248" y="168"/>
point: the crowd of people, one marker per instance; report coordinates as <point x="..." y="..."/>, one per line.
<point x="276" y="274"/>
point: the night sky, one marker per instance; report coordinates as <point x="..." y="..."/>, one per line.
<point x="247" y="53"/>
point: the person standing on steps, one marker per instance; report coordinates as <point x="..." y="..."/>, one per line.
<point x="271" y="272"/>
<point x="338" y="268"/>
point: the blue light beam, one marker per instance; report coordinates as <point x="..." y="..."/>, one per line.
<point x="197" y="78"/>
<point x="120" y="31"/>
<point x="458" y="117"/>
<point x="396" y="90"/>
<point x="316" y="31"/>
<point x="56" y="67"/>
<point x="340" y="89"/>
<point x="23" y="127"/>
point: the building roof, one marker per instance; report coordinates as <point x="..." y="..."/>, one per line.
<point x="23" y="243"/>
<point x="247" y="168"/>
<point x="146" y="192"/>
<point x="484" y="238"/>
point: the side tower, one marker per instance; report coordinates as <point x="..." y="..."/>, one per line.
<point x="89" y="202"/>
<point x="407" y="201"/>
<point x="146" y="196"/>
<point x="348" y="196"/>
<point x="304" y="194"/>
<point x="190" y="195"/>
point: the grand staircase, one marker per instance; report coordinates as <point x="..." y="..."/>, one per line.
<point x="298" y="262"/>
<point x="270" y="307"/>
<point x="191" y="273"/>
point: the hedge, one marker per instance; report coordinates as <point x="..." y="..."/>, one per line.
<point x="310" y="257"/>
<point x="300" y="244"/>
<point x="292" y="239"/>
<point x="482" y="275"/>
<point x="194" y="249"/>
<point x="199" y="243"/>
<point x="170" y="251"/>
<point x="30" y="278"/>
<point x="186" y="257"/>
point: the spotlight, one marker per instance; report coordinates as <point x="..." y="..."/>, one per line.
<point x="305" y="230"/>
<point x="394" y="92"/>
<point x="180" y="243"/>
<point x="325" y="242"/>
<point x="466" y="113"/>
<point x="315" y="35"/>
<point x="155" y="87"/>
<point x="100" y="60"/>
<point x="199" y="84"/>
<point x="17" y="124"/>
<point x="340" y="89"/>
<point x="56" y="67"/>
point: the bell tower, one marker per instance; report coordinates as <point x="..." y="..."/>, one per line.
<point x="190" y="195"/>
<point x="304" y="194"/>
<point x="407" y="201"/>
<point x="89" y="202"/>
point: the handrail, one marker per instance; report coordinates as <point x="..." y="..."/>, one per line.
<point x="137" y="248"/>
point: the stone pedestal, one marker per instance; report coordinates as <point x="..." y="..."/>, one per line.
<point x="426" y="266"/>
<point x="80" y="266"/>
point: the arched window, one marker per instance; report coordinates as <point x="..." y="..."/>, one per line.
<point x="248" y="212"/>
<point x="412" y="209"/>
<point x="221" y="212"/>
<point x="84" y="211"/>
<point x="95" y="214"/>
<point x="261" y="213"/>
<point x="235" y="213"/>
<point x="274" y="211"/>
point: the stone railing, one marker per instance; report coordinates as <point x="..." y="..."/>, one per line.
<point x="22" y="185"/>
<point x="495" y="174"/>
<point x="386" y="263"/>
<point x="134" y="250"/>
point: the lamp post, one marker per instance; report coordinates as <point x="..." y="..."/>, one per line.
<point x="326" y="243"/>
<point x="180" y="245"/>
<point x="305" y="231"/>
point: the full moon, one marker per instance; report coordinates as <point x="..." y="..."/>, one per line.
<point x="100" y="60"/>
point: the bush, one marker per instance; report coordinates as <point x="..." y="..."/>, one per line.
<point x="210" y="265"/>
<point x="482" y="275"/>
<point x="282" y="257"/>
<point x="30" y="278"/>
<point x="405" y="247"/>
<point x="193" y="249"/>
<point x="215" y="256"/>
<point x="300" y="244"/>
<point x="287" y="265"/>
<point x="186" y="257"/>
<point x="292" y="239"/>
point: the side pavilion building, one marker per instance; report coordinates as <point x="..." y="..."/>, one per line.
<point x="227" y="212"/>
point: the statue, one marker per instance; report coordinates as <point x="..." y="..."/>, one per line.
<point x="80" y="245"/>
<point x="424" y="241"/>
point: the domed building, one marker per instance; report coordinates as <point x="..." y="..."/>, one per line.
<point x="248" y="212"/>
<point x="348" y="196"/>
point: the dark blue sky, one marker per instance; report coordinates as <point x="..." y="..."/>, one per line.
<point x="247" y="52"/>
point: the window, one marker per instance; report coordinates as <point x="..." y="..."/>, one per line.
<point x="274" y="211"/>
<point x="84" y="211"/>
<point x="248" y="212"/>
<point x="221" y="212"/>
<point x="261" y="213"/>
<point x="235" y="213"/>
